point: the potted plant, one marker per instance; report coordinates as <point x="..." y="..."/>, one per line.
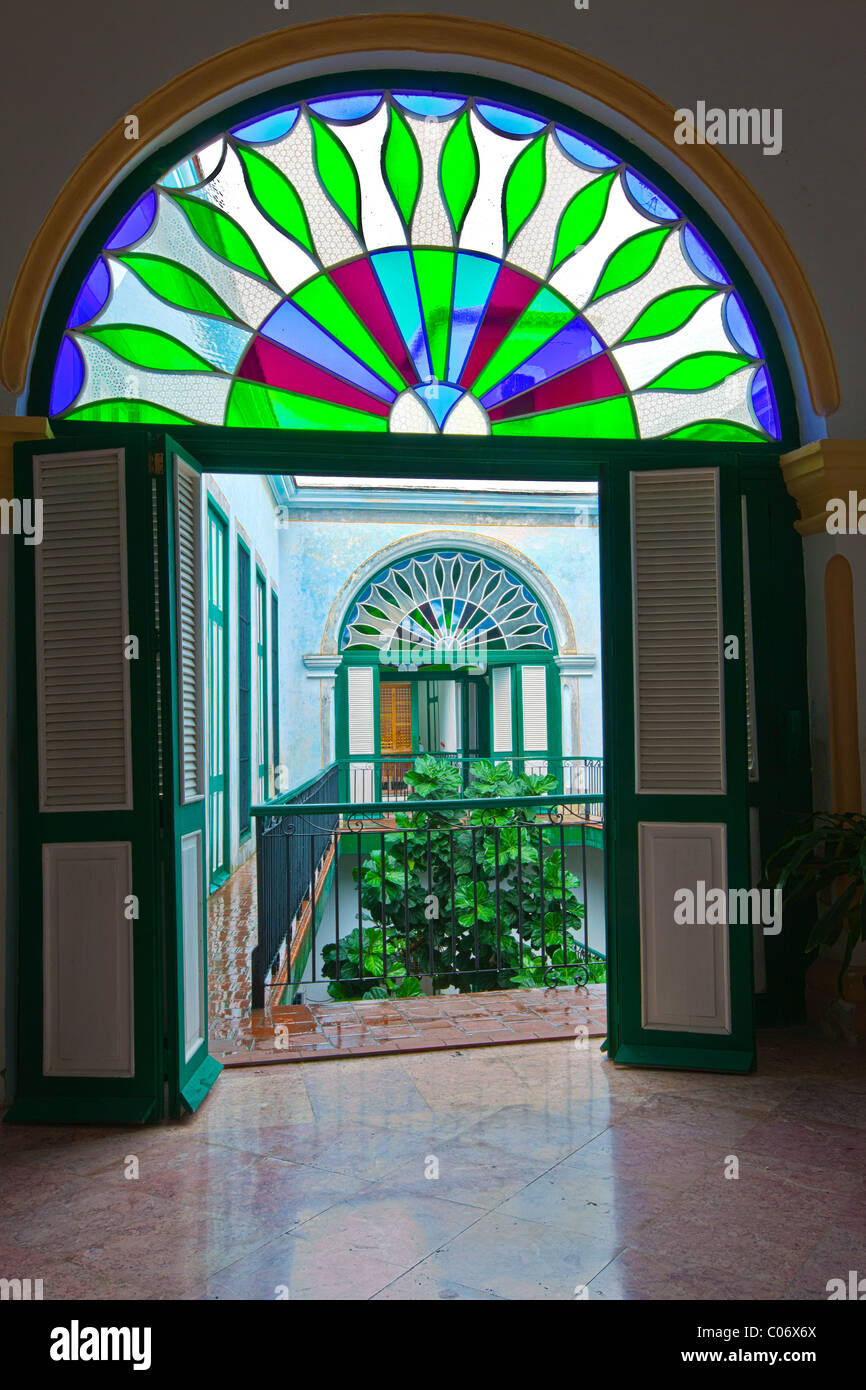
<point x="829" y="853"/>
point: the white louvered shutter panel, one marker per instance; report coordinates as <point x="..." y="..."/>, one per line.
<point x="500" y="683"/>
<point x="82" y="618"/>
<point x="679" y="710"/>
<point x="362" y="731"/>
<point x="534" y="700"/>
<point x="189" y="630"/>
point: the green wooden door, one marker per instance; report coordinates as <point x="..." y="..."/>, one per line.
<point x="190" y="1071"/>
<point x="681" y="991"/>
<point x="216" y="651"/>
<point x="89" y="776"/>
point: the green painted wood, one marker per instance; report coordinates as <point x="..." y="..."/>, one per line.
<point x="189" y="1075"/>
<point x="115" y="1100"/>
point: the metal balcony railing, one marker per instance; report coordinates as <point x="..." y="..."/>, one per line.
<point x="472" y="892"/>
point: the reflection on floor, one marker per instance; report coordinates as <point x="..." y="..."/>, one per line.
<point x="524" y="1172"/>
<point x="317" y="1032"/>
<point x="240" y="1036"/>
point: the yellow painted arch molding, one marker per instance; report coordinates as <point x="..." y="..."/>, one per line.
<point x="440" y="34"/>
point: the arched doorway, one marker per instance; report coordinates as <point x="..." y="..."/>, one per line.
<point x="321" y="270"/>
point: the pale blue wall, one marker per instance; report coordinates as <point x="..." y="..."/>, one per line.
<point x="318" y="557"/>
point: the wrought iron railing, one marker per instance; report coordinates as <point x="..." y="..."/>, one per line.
<point x="369" y="778"/>
<point x="479" y="893"/>
<point x="287" y="874"/>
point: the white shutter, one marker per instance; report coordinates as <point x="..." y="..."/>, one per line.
<point x="500" y="686"/>
<point x="362" y="732"/>
<point x="534" y="700"/>
<point x="189" y="629"/>
<point x="82" y="619"/>
<point x="679" y="711"/>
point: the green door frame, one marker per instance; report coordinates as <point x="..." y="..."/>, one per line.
<point x="218" y="618"/>
<point x="778" y="623"/>
<point x="262" y="685"/>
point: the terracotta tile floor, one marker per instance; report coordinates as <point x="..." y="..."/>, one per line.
<point x="479" y="1173"/>
<point x="295" y="1033"/>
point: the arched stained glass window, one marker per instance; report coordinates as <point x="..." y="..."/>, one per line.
<point x="413" y="262"/>
<point x="442" y="603"/>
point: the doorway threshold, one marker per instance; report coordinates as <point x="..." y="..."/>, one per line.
<point x="390" y="1027"/>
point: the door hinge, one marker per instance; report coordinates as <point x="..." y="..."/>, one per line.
<point x="156" y="465"/>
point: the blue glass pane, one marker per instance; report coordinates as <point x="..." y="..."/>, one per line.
<point x="426" y="104"/>
<point x="473" y="283"/>
<point x="763" y="404"/>
<point x="183" y="175"/>
<point x="134" y="224"/>
<point x="510" y="122"/>
<point x="68" y="376"/>
<point x="439" y="399"/>
<point x="649" y="199"/>
<point x="702" y="257"/>
<point x="737" y="324"/>
<point x="573" y="344"/>
<point x="291" y="328"/>
<point x="584" y="151"/>
<point x="396" y="274"/>
<point x="346" y="108"/>
<point x="92" y="295"/>
<point x="271" y="127"/>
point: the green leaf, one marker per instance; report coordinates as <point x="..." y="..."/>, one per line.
<point x="222" y="235"/>
<point x="582" y="218"/>
<point x="524" y="187"/>
<point x="147" y="347"/>
<point x="276" y="197"/>
<point x="631" y="260"/>
<point x="336" y="172"/>
<point x="697" y="372"/>
<point x="459" y="169"/>
<point x="401" y="165"/>
<point x="176" y="284"/>
<point x="668" y="312"/>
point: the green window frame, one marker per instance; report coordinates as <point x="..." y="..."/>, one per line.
<point x="245" y="691"/>
<point x="262" y="684"/>
<point x="218" y="769"/>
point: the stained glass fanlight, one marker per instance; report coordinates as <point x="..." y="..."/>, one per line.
<point x="442" y="603"/>
<point x="411" y="262"/>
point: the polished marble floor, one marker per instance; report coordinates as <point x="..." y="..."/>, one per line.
<point x="524" y="1172"/>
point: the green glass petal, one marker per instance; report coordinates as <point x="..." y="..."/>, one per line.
<point x="128" y="412"/>
<point x="697" y="372"/>
<point x="147" y="347"/>
<point x="612" y="419"/>
<point x="524" y="187"/>
<point x="267" y="407"/>
<point x="435" y="273"/>
<point x="719" y="430"/>
<point x="276" y="197"/>
<point x="222" y="235"/>
<point x="544" y="317"/>
<point x="336" y="172"/>
<point x="401" y="164"/>
<point x="321" y="299"/>
<point x="176" y="284"/>
<point x="631" y="260"/>
<point x="459" y="170"/>
<point x="668" y="313"/>
<point x="582" y="218"/>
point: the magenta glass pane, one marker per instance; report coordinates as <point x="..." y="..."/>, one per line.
<point x="359" y="286"/>
<point x="596" y="380"/>
<point x="573" y="344"/>
<point x="511" y="295"/>
<point x="293" y="329"/>
<point x="274" y="366"/>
